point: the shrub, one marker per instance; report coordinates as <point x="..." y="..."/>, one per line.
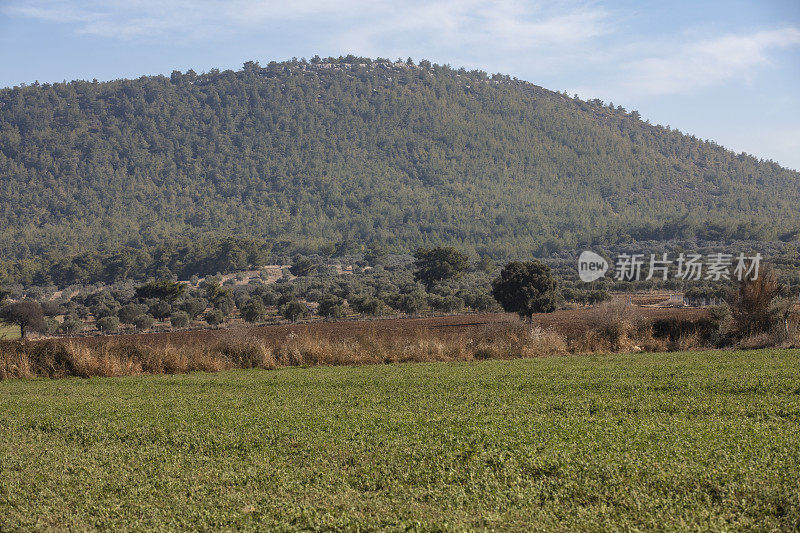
<point x="526" y="288"/>
<point x="367" y="305"/>
<point x="214" y="317"/>
<point x="253" y="310"/>
<point x="331" y="307"/>
<point x="445" y="304"/>
<point x="143" y="322"/>
<point x="108" y="323"/>
<point x="179" y="319"/>
<point x="128" y="312"/>
<point x="71" y="325"/>
<point x="194" y="306"/>
<point x="294" y="311"/>
<point x="160" y="309"/>
<point x="751" y="302"/>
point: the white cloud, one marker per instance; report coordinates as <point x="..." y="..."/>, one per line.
<point x="505" y="24"/>
<point x="709" y="62"/>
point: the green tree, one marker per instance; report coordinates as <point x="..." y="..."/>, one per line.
<point x="303" y="266"/>
<point x="331" y="307"/>
<point x="143" y="322"/>
<point x="526" y="288"/>
<point x="367" y="305"/>
<point x="439" y="264"/>
<point x="445" y="304"/>
<point x="108" y="323"/>
<point x="294" y="311"/>
<point x="130" y="311"/>
<point x="161" y="290"/>
<point x="485" y="265"/>
<point x="179" y="319"/>
<point x="194" y="306"/>
<point x="71" y="324"/>
<point x="253" y="310"/>
<point x="410" y="303"/>
<point x="214" y="317"/>
<point x="160" y="309"/>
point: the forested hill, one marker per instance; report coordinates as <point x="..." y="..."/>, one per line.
<point x="356" y="150"/>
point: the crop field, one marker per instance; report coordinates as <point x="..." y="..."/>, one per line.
<point x="666" y="441"/>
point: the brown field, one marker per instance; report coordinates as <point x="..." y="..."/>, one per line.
<point x="603" y="329"/>
<point x="570" y="323"/>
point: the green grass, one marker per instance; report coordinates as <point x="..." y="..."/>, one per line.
<point x="697" y="441"/>
<point x="9" y="332"/>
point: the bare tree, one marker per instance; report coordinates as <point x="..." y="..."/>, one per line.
<point x="751" y="303"/>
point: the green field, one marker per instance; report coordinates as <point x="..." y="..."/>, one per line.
<point x="696" y="441"/>
<point x="9" y="332"/>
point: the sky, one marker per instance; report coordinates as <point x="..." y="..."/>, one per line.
<point x="728" y="71"/>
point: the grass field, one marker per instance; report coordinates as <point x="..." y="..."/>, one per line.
<point x="693" y="441"/>
<point x="9" y="332"/>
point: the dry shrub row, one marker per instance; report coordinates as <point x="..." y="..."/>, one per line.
<point x="613" y="327"/>
<point x="56" y="359"/>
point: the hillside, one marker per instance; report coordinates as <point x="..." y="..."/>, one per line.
<point x="354" y="150"/>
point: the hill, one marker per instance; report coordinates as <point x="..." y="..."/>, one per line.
<point x="335" y="154"/>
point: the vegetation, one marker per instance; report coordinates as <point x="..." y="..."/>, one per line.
<point x="526" y="288"/>
<point x="26" y="315"/>
<point x="150" y="178"/>
<point x="696" y="441"/>
<point x="439" y="264"/>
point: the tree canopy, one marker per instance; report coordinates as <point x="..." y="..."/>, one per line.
<point x="439" y="264"/>
<point x="526" y="288"/>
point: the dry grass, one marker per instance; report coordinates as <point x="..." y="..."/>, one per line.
<point x="612" y="327"/>
<point x="56" y="359"/>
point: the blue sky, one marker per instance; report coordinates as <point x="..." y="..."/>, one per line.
<point x="722" y="70"/>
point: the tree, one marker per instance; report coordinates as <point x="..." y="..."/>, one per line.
<point x="214" y="317"/>
<point x="366" y="305"/>
<point x="751" y="303"/>
<point x="303" y="266"/>
<point x="128" y="312"/>
<point x="253" y="310"/>
<point x="485" y="264"/>
<point x="160" y="309"/>
<point x="194" y="306"/>
<point x="376" y="255"/>
<point x="331" y="307"/>
<point x="221" y="298"/>
<point x="143" y="322"/>
<point x="526" y="288"/>
<point x="410" y="303"/>
<point x="108" y="323"/>
<point x="438" y="264"/>
<point x="445" y="304"/>
<point x="294" y="311"/>
<point x="71" y="324"/>
<point x="479" y="301"/>
<point x="179" y="319"/>
<point x="161" y="290"/>
<point x="27" y="315"/>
